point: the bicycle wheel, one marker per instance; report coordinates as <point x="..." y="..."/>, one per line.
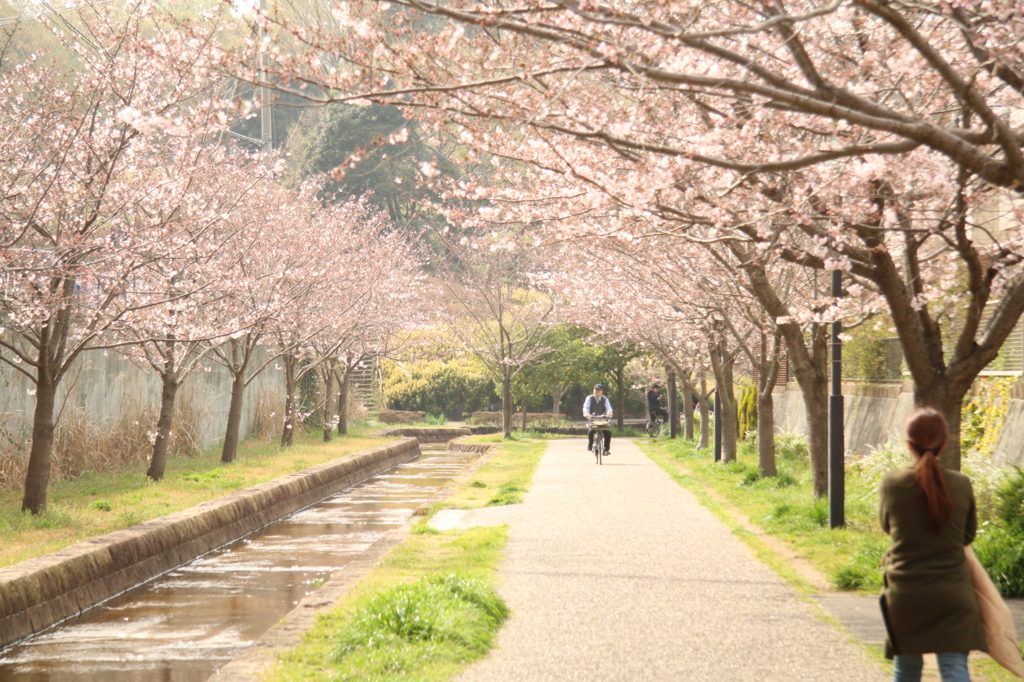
<point x="653" y="428"/>
<point x="599" y="447"/>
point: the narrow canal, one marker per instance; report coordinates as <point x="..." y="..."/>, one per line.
<point x="184" y="625"/>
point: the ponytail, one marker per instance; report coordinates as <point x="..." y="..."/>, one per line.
<point x="926" y="434"/>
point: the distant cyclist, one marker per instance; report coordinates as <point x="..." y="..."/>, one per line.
<point x="598" y="405"/>
<point x="654" y="403"/>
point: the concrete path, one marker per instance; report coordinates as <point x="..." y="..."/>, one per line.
<point x="618" y="573"/>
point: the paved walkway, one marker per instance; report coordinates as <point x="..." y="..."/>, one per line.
<point x="618" y="573"/>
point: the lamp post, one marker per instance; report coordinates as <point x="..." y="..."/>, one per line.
<point x="673" y="405"/>
<point x="718" y="429"/>
<point x="836" y="444"/>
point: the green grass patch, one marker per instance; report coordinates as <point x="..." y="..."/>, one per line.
<point x="784" y="506"/>
<point x="440" y="619"/>
<point x="509" y="493"/>
<point x="424" y="613"/>
<point x="94" y="504"/>
<point x="502" y="480"/>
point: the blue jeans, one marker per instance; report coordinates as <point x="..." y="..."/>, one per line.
<point x="952" y="667"/>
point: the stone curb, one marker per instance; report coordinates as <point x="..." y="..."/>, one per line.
<point x="481" y="448"/>
<point x="46" y="590"/>
<point x="426" y="435"/>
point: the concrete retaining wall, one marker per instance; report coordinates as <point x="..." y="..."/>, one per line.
<point x="1009" y="450"/>
<point x="40" y="592"/>
<point x="104" y="384"/>
<point x="427" y="435"/>
<point x="872" y="414"/>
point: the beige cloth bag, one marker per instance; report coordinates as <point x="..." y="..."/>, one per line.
<point x="996" y="620"/>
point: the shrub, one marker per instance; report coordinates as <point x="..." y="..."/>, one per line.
<point x="509" y="493"/>
<point x="532" y="418"/>
<point x="400" y="417"/>
<point x="863" y="571"/>
<point x="1009" y="503"/>
<point x="784" y="480"/>
<point x="1001" y="551"/>
<point x="792" y="447"/>
<point x="817" y="511"/>
<point x="437" y="387"/>
<point x="1000" y="544"/>
<point x="456" y="613"/>
<point x="750" y="478"/>
<point x="436" y="420"/>
<point x="747" y="412"/>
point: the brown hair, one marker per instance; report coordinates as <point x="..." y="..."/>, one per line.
<point x="926" y="433"/>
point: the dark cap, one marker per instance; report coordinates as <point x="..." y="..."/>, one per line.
<point x="598" y="387"/>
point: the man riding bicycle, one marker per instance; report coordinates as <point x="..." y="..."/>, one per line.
<point x="654" y="403"/>
<point x="598" y="405"/>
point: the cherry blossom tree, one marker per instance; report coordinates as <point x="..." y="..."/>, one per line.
<point x="84" y="214"/>
<point x="911" y="108"/>
<point x="495" y="309"/>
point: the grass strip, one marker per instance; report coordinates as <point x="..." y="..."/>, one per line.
<point x="505" y="477"/>
<point x="429" y="608"/>
<point x="99" y="503"/>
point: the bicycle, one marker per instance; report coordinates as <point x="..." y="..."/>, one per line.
<point x="654" y="426"/>
<point x="598" y="425"/>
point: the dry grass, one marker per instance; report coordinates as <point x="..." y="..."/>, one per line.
<point x="269" y="414"/>
<point x="98" y="503"/>
<point x="83" y="444"/>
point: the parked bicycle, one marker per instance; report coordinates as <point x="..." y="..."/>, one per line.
<point x="654" y="426"/>
<point x="598" y="425"/>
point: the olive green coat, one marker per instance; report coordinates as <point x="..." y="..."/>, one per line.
<point x="928" y="600"/>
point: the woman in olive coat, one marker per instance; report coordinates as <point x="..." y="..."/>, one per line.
<point x="928" y="600"/>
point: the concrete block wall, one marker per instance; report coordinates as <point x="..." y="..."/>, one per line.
<point x="104" y="383"/>
<point x="43" y="591"/>
<point x="874" y="414"/>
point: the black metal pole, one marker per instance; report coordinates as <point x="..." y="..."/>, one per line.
<point x="673" y="405"/>
<point x="718" y="430"/>
<point x="836" y="442"/>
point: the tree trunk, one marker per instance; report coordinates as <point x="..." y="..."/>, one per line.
<point x="810" y="367"/>
<point x="620" y="398"/>
<point x="506" y="405"/>
<point x="812" y="375"/>
<point x="766" y="434"/>
<point x="722" y="365"/>
<point x="291" y="389"/>
<point x="705" y="415"/>
<point x="230" y="450"/>
<point x="346" y="382"/>
<point x="41" y="454"/>
<point x="329" y="417"/>
<point x="947" y="399"/>
<point x="556" y="401"/>
<point x="168" y="394"/>
<point x="767" y="375"/>
<point x="687" y="408"/>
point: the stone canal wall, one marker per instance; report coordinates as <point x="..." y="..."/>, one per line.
<point x="40" y="592"/>
<point x="479" y="448"/>
<point x="427" y="434"/>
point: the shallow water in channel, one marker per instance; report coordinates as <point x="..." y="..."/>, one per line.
<point x="187" y="623"/>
